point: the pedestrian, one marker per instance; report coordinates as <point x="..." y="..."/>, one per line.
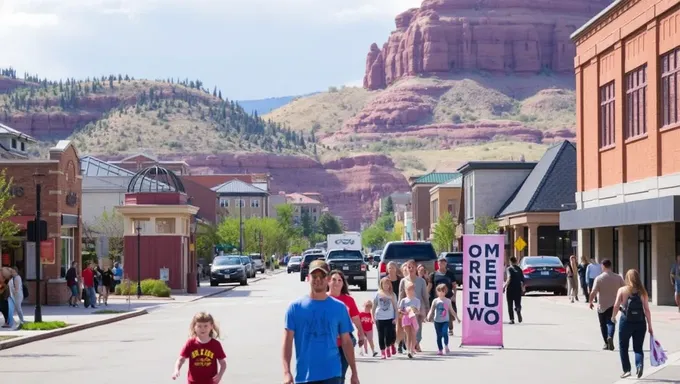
<point x="446" y="277"/>
<point x="425" y="274"/>
<point x="594" y="270"/>
<point x="338" y="289"/>
<point x="385" y="315"/>
<point x="106" y="278"/>
<point x="514" y="289"/>
<point x="366" y="318"/>
<point x="582" y="267"/>
<point x="605" y="288"/>
<point x="675" y="280"/>
<point x="313" y="323"/>
<point x="420" y="286"/>
<point x="572" y="279"/>
<point x="72" y="284"/>
<point x="88" y="286"/>
<point x="9" y="283"/>
<point x="117" y="275"/>
<point x="632" y="301"/>
<point x="18" y="294"/>
<point x="441" y="311"/>
<point x="410" y="308"/>
<point x="203" y="351"/>
<point x="400" y="272"/>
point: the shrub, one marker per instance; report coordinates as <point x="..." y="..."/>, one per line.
<point x="150" y="287"/>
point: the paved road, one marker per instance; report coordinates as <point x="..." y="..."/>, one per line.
<point x="557" y="341"/>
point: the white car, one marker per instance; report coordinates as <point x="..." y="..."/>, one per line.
<point x="259" y="264"/>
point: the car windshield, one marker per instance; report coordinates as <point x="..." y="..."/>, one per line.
<point x="312" y="257"/>
<point x="256" y="257"/>
<point x="409" y="251"/>
<point x="222" y="261"/>
<point x="245" y="260"/>
<point x="295" y="259"/>
<point x="454" y="258"/>
<point x="547" y="261"/>
<point x="345" y="255"/>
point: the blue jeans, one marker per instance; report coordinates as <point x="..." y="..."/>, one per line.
<point x="10" y="312"/>
<point x="343" y="360"/>
<point x="442" y="330"/>
<point x="607" y="327"/>
<point x="92" y="296"/>
<point x="628" y="330"/>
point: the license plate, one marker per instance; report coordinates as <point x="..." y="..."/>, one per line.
<point x="545" y="273"/>
<point x="459" y="268"/>
<point x="345" y="268"/>
<point x="358" y="277"/>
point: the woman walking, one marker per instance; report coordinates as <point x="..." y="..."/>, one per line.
<point x="582" y="267"/>
<point x="8" y="282"/>
<point x="337" y="288"/>
<point x="572" y="279"/>
<point x="18" y="294"/>
<point x="425" y="274"/>
<point x="385" y="315"/>
<point x="632" y="301"/>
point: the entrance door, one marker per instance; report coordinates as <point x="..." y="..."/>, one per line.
<point x="645" y="256"/>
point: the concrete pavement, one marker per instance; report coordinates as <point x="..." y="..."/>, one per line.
<point x="556" y="341"/>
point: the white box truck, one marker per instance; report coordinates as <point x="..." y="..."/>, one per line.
<point x="347" y="240"/>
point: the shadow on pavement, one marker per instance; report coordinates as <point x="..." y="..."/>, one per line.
<point x="238" y="293"/>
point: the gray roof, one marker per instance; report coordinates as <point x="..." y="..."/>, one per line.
<point x="477" y="165"/>
<point x="109" y="175"/>
<point x="551" y="184"/>
<point x="239" y="188"/>
<point x="5" y="130"/>
<point x="595" y="19"/>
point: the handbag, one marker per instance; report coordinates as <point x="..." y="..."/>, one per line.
<point x="657" y="356"/>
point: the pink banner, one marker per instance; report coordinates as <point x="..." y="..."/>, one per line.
<point x="483" y="268"/>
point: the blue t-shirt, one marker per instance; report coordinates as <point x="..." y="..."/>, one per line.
<point x="317" y="324"/>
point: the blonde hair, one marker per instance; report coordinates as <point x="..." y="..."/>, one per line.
<point x="6" y="273"/>
<point x="634" y="283"/>
<point x="368" y="303"/>
<point x="382" y="282"/>
<point x="204" y="317"/>
<point x="409" y="285"/>
<point x="396" y="267"/>
<point x="584" y="259"/>
<point x="442" y="288"/>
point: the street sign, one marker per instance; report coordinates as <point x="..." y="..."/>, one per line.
<point x="30" y="230"/>
<point x="520" y="244"/>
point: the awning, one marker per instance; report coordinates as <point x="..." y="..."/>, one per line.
<point x="22" y="221"/>
<point x="649" y="211"/>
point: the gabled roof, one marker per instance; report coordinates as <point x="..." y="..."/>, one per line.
<point x="298" y="198"/>
<point x="211" y="181"/>
<point x="238" y="187"/>
<point x="550" y="185"/>
<point x="494" y="165"/>
<point x="5" y="130"/>
<point x="436" y="178"/>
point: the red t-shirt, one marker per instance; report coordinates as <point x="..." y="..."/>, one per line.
<point x="202" y="360"/>
<point x="88" y="277"/>
<point x="366" y="321"/>
<point x="351" y="307"/>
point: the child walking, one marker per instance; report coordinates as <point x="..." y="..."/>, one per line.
<point x="440" y="311"/>
<point x="204" y="352"/>
<point x="409" y="307"/>
<point x="366" y="318"/>
<point x="385" y="314"/>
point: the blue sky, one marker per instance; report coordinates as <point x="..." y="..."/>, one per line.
<point x="250" y="49"/>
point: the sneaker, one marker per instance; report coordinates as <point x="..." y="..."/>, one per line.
<point x="450" y="332"/>
<point x="606" y="347"/>
<point x="393" y="349"/>
<point x="410" y="356"/>
<point x="447" y="350"/>
<point x="519" y="316"/>
<point x="388" y="352"/>
<point x="401" y="350"/>
<point x="383" y="355"/>
<point x="610" y="343"/>
<point x="625" y="374"/>
<point x="638" y="370"/>
<point x="440" y="353"/>
<point x="375" y="354"/>
<point x="512" y="321"/>
<point x="418" y="348"/>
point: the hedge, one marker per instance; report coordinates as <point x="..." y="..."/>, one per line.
<point x="150" y="287"/>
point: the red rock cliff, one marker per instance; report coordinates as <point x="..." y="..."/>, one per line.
<point x="492" y="35"/>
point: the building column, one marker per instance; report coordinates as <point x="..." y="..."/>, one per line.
<point x="604" y="244"/>
<point x="628" y="248"/>
<point x="663" y="257"/>
<point x="583" y="237"/>
<point x="533" y="240"/>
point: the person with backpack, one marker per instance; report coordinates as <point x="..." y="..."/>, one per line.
<point x="632" y="301"/>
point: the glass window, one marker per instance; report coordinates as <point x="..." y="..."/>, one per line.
<point x="224" y="202"/>
<point x="165" y="225"/>
<point x="67" y="250"/>
<point x="255" y="203"/>
<point x="141" y="223"/>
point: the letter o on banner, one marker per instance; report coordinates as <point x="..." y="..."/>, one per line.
<point x="475" y="251"/>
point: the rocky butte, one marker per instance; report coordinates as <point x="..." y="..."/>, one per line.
<point x="504" y="36"/>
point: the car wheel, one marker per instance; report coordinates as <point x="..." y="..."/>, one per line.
<point x="363" y="286"/>
<point x="289" y="271"/>
<point x="244" y="282"/>
<point x="213" y="283"/>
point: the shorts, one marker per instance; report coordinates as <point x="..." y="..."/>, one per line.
<point x="410" y="321"/>
<point x="677" y="287"/>
<point x="74" y="290"/>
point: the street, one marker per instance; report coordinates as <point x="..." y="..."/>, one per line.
<point x="557" y="342"/>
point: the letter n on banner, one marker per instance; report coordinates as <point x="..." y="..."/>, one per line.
<point x="483" y="268"/>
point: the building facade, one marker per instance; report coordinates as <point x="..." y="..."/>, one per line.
<point x="445" y="198"/>
<point x="628" y="134"/>
<point x="420" y="201"/>
<point x="302" y="203"/>
<point x="237" y="199"/>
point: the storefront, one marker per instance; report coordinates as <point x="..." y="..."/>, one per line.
<point x="61" y="186"/>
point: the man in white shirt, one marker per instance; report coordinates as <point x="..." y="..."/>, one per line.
<point x="594" y="270"/>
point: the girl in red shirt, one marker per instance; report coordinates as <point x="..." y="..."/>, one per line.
<point x="204" y="352"/>
<point x="366" y="318"/>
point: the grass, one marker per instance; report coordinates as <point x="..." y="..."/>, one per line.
<point x="108" y="312"/>
<point x="44" y="326"/>
<point x="5" y="338"/>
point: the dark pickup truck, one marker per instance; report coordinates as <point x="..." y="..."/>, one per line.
<point x="352" y="265"/>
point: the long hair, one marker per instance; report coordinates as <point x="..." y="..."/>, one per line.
<point x="584" y="260"/>
<point x="204" y="317"/>
<point x="387" y="282"/>
<point x="396" y="267"/>
<point x="634" y="283"/>
<point x="344" y="290"/>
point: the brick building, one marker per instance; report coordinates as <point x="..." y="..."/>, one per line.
<point x="628" y="137"/>
<point x="61" y="196"/>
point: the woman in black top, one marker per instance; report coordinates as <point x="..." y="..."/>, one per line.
<point x="106" y="283"/>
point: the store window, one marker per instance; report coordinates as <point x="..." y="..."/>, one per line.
<point x="553" y="242"/>
<point x="615" y="253"/>
<point x="143" y="224"/>
<point x="67" y="250"/>
<point x="645" y="256"/>
<point x="165" y="225"/>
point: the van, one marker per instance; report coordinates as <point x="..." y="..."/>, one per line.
<point x="402" y="251"/>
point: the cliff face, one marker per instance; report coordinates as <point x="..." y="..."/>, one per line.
<point x="506" y="36"/>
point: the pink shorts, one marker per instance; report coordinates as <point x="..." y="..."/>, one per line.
<point x="408" y="321"/>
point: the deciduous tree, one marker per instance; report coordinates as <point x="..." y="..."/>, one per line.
<point x="444" y="233"/>
<point x="7" y="211"/>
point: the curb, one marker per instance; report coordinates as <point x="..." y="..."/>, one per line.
<point x="671" y="360"/>
<point x="21" y="340"/>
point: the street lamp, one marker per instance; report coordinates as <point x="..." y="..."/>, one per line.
<point x="192" y="226"/>
<point x="37" y="180"/>
<point x="139" y="260"/>
<point x="240" y="226"/>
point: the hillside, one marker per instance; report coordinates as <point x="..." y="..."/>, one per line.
<point x="263" y="106"/>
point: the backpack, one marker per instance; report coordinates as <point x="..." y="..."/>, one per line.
<point x="25" y="289"/>
<point x="635" y="312"/>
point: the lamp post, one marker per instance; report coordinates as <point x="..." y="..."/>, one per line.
<point x="37" y="179"/>
<point x="193" y="226"/>
<point x="139" y="260"/>
<point x="240" y="226"/>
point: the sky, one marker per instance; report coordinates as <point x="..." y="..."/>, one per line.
<point x="250" y="49"/>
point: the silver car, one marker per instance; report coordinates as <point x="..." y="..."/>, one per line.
<point x="250" y="266"/>
<point x="259" y="264"/>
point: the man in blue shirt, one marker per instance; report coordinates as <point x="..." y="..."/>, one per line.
<point x="314" y="323"/>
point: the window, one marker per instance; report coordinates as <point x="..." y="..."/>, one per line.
<point x="144" y="224"/>
<point x="224" y="203"/>
<point x="254" y="203"/>
<point x="165" y="225"/>
<point x="469" y="198"/>
<point x="241" y="203"/>
<point x="435" y="211"/>
<point x="607" y="115"/>
<point x="23" y="146"/>
<point x="669" y="87"/>
<point x="67" y="250"/>
<point x="14" y="143"/>
<point x="636" y="102"/>
<point x="452" y="207"/>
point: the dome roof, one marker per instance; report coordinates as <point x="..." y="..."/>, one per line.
<point x="155" y="179"/>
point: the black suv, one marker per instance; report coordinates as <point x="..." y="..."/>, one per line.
<point x="401" y="251"/>
<point x="454" y="264"/>
<point x="352" y="265"/>
<point x="306" y="259"/>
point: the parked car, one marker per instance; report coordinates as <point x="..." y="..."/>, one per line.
<point x="544" y="274"/>
<point x="228" y="269"/>
<point x="454" y="264"/>
<point x="351" y="263"/>
<point x="306" y="259"/>
<point x="259" y="264"/>
<point x="401" y="251"/>
<point x="250" y="266"/>
<point x="294" y="264"/>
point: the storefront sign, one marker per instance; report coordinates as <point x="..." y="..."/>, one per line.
<point x="164" y="274"/>
<point x="16" y="191"/>
<point x="47" y="255"/>
<point x="71" y="199"/>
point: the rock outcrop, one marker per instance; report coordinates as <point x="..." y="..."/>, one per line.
<point x="507" y="36"/>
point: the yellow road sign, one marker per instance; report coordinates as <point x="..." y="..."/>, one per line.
<point x="520" y="244"/>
